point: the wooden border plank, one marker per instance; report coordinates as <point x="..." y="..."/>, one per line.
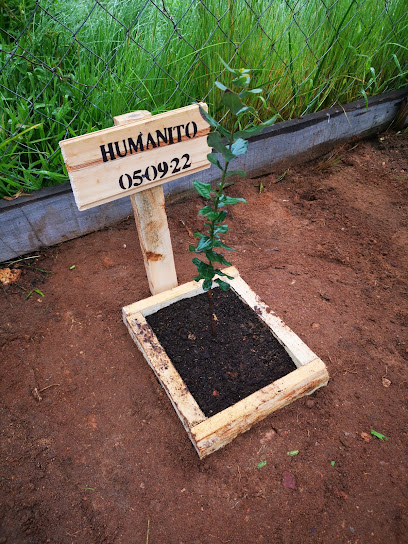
<point x="186" y="407"/>
<point x="155" y="303"/>
<point x="218" y="430"/>
<point x="297" y="349"/>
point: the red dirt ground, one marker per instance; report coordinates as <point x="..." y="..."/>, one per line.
<point x="103" y="458"/>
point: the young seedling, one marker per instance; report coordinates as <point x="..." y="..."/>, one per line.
<point x="230" y="144"/>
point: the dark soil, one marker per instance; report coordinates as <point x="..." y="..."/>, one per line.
<point x="220" y="370"/>
<point x="103" y="457"/>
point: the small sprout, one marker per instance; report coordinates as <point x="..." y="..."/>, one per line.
<point x="379" y="435"/>
<point x="293" y="453"/>
<point x="333" y="463"/>
<point x="261" y="464"/>
<point x="281" y="177"/>
<point x="34" y="291"/>
<point x="72" y="267"/>
<point x="260" y="187"/>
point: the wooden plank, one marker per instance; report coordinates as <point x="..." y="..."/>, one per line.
<point x="83" y="151"/>
<point x="186" y="407"/>
<point x="154" y="236"/>
<point x="155" y="303"/>
<point x="96" y="185"/>
<point x="297" y="349"/>
<point x="127" y="158"/>
<point x="151" y="222"/>
<point x="218" y="430"/>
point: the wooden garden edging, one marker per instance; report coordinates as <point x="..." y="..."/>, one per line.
<point x="208" y="434"/>
<point x="50" y="216"/>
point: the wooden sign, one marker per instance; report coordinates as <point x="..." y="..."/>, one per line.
<point x="138" y="155"/>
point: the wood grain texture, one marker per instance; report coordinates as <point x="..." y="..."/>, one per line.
<point x="83" y="151"/>
<point x="154" y="236"/>
<point x="127" y="158"/>
<point x="155" y="303"/>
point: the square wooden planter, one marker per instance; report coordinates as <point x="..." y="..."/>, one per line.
<point x="208" y="434"/>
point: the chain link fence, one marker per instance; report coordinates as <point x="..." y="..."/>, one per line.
<point x="67" y="67"/>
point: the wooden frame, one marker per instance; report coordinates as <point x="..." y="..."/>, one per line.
<point x="208" y="434"/>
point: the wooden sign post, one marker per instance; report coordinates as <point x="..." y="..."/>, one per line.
<point x="135" y="158"/>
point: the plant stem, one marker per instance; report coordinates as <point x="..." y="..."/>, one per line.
<point x="219" y="192"/>
<point x="211" y="310"/>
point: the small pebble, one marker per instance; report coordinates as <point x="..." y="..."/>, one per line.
<point x="310" y="403"/>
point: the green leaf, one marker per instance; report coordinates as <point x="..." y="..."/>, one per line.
<point x="205" y="270"/>
<point x="379" y="435"/>
<point x="242" y="81"/>
<point x="212" y="157"/>
<point x="261" y="464"/>
<point x="12" y="138"/>
<point x="293" y="453"/>
<point x="241" y="173"/>
<point x="221" y="86"/>
<point x="203" y="189"/>
<point x="229" y="201"/>
<point x="204" y="243"/>
<point x="207" y="284"/>
<point x="222" y="284"/>
<point x="221" y="229"/>
<point x="232" y="101"/>
<point x="221" y="216"/>
<point x="221" y="244"/>
<point x="332" y="463"/>
<point x="221" y="273"/>
<point x="239" y="147"/>
<point x="72" y="267"/>
<point x="34" y="291"/>
<point x="247" y="92"/>
<point x="214" y="257"/>
<point x="211" y="121"/>
<point x="253" y="131"/>
<point x="208" y="212"/>
<point x="365" y="98"/>
<point x="235" y="72"/>
<point x="214" y="141"/>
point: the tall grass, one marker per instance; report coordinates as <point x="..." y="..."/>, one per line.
<point x="77" y="64"/>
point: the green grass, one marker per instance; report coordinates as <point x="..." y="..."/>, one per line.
<point x="68" y="77"/>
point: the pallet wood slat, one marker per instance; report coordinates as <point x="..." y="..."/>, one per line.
<point x="154" y="236"/>
<point x="84" y="150"/>
<point x="140" y="151"/>
<point x="181" y="398"/>
<point x="297" y="349"/>
<point x="155" y="303"/>
<point x="210" y="434"/>
<point x="220" y="429"/>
